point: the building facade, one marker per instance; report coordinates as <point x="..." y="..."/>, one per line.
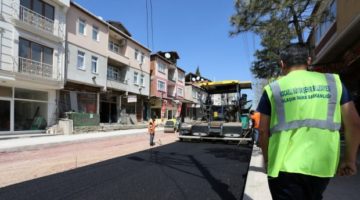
<point x="32" y="58"/>
<point x="167" y="92"/>
<point x="195" y="97"/>
<point x="128" y="78"/>
<point x="336" y="43"/>
<point x="86" y="62"/>
<point x="107" y="70"/>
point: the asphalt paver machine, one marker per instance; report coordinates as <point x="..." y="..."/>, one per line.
<point x="221" y="119"/>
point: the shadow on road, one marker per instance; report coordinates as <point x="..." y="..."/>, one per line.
<point x="174" y="171"/>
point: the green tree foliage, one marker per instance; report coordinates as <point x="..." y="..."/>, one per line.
<point x="277" y="22"/>
<point x="197" y="72"/>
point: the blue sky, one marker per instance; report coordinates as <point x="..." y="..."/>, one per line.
<point x="197" y="29"/>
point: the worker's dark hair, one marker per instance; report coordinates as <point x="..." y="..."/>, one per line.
<point x="295" y="54"/>
<point x="252" y="112"/>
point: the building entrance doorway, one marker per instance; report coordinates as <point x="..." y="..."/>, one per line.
<point x="108" y="110"/>
<point x="5" y="115"/>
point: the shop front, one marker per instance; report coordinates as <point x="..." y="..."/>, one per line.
<point x="25" y="110"/>
<point x="164" y="109"/>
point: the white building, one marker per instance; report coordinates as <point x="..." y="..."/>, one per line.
<point x="32" y="56"/>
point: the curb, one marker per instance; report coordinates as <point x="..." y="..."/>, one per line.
<point x="256" y="186"/>
<point x="35" y="145"/>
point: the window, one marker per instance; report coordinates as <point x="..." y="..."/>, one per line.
<point x="194" y="94"/>
<point x="116" y="74"/>
<point x="112" y="73"/>
<point x="82" y="27"/>
<point x="114" y="47"/>
<point x="161" y="67"/>
<point x="161" y="86"/>
<point x="35" y="103"/>
<point x="142" y="80"/>
<point x="39" y="7"/>
<point x="86" y="102"/>
<point x="181" y="77"/>
<point x="81" y="60"/>
<point x="95" y="33"/>
<point x="323" y="27"/>
<point x="136" y="78"/>
<point x="180" y="92"/>
<point x="136" y="54"/>
<point x="94" y="64"/>
<point x="142" y="58"/>
<point x="34" y="51"/>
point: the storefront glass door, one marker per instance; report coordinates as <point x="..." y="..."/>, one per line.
<point x="5" y="109"/>
<point x="5" y="115"/>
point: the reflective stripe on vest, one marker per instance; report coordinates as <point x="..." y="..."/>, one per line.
<point x="328" y="124"/>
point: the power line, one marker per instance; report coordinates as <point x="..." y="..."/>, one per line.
<point x="147" y="23"/>
<point x="152" y="25"/>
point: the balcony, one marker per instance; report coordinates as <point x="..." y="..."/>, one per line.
<point x="117" y="79"/>
<point x="38" y="24"/>
<point x="38" y="21"/>
<point x="35" y="68"/>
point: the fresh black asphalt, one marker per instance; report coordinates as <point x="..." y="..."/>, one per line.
<point x="181" y="170"/>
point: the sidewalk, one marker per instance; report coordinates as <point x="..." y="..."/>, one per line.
<point x="28" y="158"/>
<point x="30" y="143"/>
<point x="256" y="186"/>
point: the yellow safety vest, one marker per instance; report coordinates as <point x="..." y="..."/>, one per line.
<point x="305" y="119"/>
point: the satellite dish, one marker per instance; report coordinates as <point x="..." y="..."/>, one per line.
<point x="202" y="79"/>
<point x="198" y="78"/>
<point x="193" y="79"/>
<point x="167" y="55"/>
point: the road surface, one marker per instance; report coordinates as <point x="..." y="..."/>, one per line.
<point x="179" y="170"/>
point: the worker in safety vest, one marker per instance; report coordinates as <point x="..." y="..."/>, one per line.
<point x="151" y="130"/>
<point x="255" y="118"/>
<point x="301" y="114"/>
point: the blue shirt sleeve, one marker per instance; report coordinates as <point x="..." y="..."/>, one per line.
<point x="345" y="96"/>
<point x="264" y="106"/>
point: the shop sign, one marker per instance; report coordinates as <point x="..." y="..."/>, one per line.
<point x="132" y="99"/>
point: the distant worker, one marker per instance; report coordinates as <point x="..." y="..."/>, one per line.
<point x="301" y="114"/>
<point x="151" y="129"/>
<point x="255" y="118"/>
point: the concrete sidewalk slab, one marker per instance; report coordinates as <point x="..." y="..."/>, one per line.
<point x="19" y="144"/>
<point x="256" y="186"/>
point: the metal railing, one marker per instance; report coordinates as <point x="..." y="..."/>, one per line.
<point x="35" y="68"/>
<point x="37" y="20"/>
<point x="117" y="79"/>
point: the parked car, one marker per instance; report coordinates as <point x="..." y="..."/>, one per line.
<point x="170" y="126"/>
<point x="185" y="129"/>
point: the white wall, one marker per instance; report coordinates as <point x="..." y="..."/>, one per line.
<point x="85" y="76"/>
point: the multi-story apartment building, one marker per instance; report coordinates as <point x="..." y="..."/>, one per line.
<point x="108" y="72"/>
<point x="336" y="42"/>
<point x="167" y="85"/>
<point x="32" y="55"/>
<point x="128" y="77"/>
<point x="86" y="61"/>
<point x="195" y="97"/>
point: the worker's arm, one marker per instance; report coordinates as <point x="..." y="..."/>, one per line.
<point x="264" y="129"/>
<point x="351" y="122"/>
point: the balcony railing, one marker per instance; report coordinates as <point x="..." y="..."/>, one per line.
<point x="35" y="68"/>
<point x="117" y="79"/>
<point x="35" y="19"/>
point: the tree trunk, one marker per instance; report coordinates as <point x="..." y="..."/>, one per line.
<point x="296" y="24"/>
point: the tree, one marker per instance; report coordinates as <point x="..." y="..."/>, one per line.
<point x="277" y="22"/>
<point x="197" y="72"/>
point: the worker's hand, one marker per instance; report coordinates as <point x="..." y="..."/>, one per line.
<point x="347" y="169"/>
